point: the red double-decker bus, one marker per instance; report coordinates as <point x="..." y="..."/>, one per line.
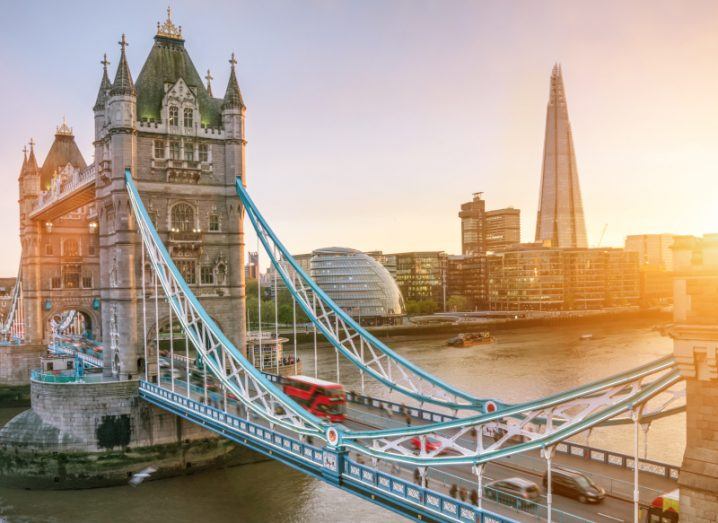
<point x="322" y="398"/>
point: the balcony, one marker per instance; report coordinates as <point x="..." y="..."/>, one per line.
<point x="185" y="243"/>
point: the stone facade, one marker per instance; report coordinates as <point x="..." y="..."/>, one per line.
<point x="185" y="150"/>
<point x="95" y="434"/>
<point x="695" y="335"/>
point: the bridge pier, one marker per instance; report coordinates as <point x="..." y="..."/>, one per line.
<point x="16" y="362"/>
<point x="83" y="435"/>
<point x="695" y="335"/>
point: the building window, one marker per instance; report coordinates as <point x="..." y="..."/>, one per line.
<point x="206" y="275"/>
<point x="214" y="222"/>
<point x="182" y="217"/>
<point x="48" y="249"/>
<point x="71" y="276"/>
<point x="187" y="269"/>
<point x="203" y="152"/>
<point x="159" y="149"/>
<point x="87" y="282"/>
<point x="189" y="152"/>
<point x="175" y="151"/>
<point x="55" y="283"/>
<point x="91" y="248"/>
<point x="70" y="248"/>
<point x="174" y="115"/>
<point x="188" y="118"/>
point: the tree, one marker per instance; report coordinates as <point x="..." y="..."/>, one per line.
<point x="457" y="303"/>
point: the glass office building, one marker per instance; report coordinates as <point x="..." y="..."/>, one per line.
<point x="359" y="284"/>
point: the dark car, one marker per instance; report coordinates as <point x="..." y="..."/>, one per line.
<point x="517" y="492"/>
<point x="574" y="484"/>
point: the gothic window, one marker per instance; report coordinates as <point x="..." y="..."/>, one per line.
<point x="189" y="151"/>
<point x="70" y="248"/>
<point x="55" y="282"/>
<point x="175" y="150"/>
<point x="71" y="276"/>
<point x="188" y="118"/>
<point x="174" y="115"/>
<point x="159" y="149"/>
<point x="203" y="152"/>
<point x="48" y="249"/>
<point x="188" y="271"/>
<point x="182" y="217"/>
<point x="206" y="275"/>
<point x="92" y="248"/>
<point x="214" y="222"/>
<point x="87" y="282"/>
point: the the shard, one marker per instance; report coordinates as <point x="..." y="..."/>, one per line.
<point x="560" y="216"/>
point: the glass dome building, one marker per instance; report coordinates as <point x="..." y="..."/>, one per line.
<point x="358" y="284"/>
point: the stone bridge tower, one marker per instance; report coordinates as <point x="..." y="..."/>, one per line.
<point x="60" y="259"/>
<point x="695" y="335"/>
<point x="185" y="149"/>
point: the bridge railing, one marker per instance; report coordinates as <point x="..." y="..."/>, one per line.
<point x="298" y="453"/>
<point x="61" y="186"/>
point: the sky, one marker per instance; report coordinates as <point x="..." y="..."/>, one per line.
<point x="370" y="121"/>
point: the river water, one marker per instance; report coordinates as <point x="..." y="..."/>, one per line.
<point x="523" y="364"/>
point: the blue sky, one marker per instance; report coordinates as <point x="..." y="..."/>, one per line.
<point x="369" y="122"/>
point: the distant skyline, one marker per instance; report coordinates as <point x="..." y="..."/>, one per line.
<point x="369" y="123"/>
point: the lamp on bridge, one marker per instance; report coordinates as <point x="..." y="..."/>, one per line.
<point x="93" y="226"/>
<point x="48" y="226"/>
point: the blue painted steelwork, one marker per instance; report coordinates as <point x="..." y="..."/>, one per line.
<point x="260" y="224"/>
<point x="372" y="484"/>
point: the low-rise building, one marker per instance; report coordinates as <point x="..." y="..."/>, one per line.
<point x="535" y="277"/>
<point x="655" y="258"/>
<point x="466" y="282"/>
<point x="421" y="276"/>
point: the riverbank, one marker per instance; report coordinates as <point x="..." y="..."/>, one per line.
<point x="417" y="332"/>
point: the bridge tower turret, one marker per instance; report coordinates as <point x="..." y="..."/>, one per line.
<point x="116" y="141"/>
<point x="233" y="115"/>
<point x="695" y="339"/>
<point x="100" y="111"/>
<point x="29" y="182"/>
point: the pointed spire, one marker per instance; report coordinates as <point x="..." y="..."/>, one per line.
<point x="209" y="79"/>
<point x="105" y="86"/>
<point x="31" y="160"/>
<point x="24" y="159"/>
<point x="233" y="96"/>
<point x="123" y="78"/>
<point x="169" y="29"/>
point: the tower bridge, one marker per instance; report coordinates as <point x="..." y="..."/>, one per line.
<point x="152" y="232"/>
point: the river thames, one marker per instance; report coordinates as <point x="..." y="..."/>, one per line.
<point x="524" y="363"/>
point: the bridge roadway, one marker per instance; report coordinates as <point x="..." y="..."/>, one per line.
<point x="618" y="482"/>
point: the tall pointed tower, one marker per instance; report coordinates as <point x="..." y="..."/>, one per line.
<point x="560" y="216"/>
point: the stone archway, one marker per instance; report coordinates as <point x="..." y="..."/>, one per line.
<point x="75" y="320"/>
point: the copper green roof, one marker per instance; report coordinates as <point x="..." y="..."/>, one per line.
<point x="167" y="62"/>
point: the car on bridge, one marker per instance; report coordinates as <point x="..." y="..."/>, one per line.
<point x="574" y="484"/>
<point x="517" y="492"/>
<point x="430" y="444"/>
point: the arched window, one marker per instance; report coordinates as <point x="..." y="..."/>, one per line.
<point x="70" y="248"/>
<point x="174" y="115"/>
<point x="188" y="118"/>
<point x="183" y="217"/>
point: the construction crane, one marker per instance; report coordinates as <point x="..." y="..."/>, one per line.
<point x="603" y="233"/>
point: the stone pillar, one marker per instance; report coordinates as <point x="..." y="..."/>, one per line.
<point x="118" y="243"/>
<point x="234" y="158"/>
<point x="695" y="338"/>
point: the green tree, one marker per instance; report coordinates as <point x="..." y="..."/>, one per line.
<point x="457" y="303"/>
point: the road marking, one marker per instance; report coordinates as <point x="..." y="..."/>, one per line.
<point x="614" y="518"/>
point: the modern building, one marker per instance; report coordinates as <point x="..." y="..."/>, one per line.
<point x="359" y="284"/>
<point x="387" y="260"/>
<point x="534" y="277"/>
<point x="421" y="276"/>
<point x="251" y="270"/>
<point x="473" y="235"/>
<point x="466" y="278"/>
<point x="502" y="228"/>
<point x="483" y="230"/>
<point x="655" y="257"/>
<point x="560" y="217"/>
<point x="653" y="249"/>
